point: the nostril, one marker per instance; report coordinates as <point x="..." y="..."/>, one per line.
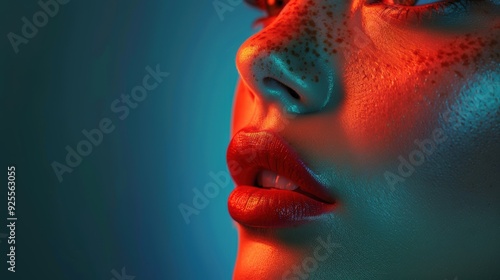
<point x="276" y="85"/>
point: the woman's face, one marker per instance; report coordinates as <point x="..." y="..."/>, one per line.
<point x="393" y="106"/>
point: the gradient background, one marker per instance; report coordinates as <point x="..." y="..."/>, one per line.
<point x="119" y="207"/>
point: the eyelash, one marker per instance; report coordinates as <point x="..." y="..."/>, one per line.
<point x="399" y="12"/>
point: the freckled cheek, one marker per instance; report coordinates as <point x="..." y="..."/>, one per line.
<point x="382" y="127"/>
<point x="394" y="99"/>
<point x="393" y="106"/>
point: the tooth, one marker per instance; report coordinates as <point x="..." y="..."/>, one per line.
<point x="268" y="178"/>
<point x="291" y="186"/>
<point x="284" y="183"/>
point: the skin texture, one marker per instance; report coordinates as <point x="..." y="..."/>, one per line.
<point x="371" y="86"/>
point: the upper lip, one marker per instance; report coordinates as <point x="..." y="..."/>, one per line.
<point x="251" y="151"/>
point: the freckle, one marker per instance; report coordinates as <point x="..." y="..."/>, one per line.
<point x="459" y="74"/>
<point x="316" y="79"/>
<point x="493" y="42"/>
<point x="445" y="64"/>
<point x="334" y="50"/>
<point x="433" y="81"/>
<point x="339" y="40"/>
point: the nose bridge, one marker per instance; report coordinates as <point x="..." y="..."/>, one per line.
<point x="293" y="60"/>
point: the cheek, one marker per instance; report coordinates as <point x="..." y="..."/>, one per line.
<point x="397" y="93"/>
<point x="472" y="118"/>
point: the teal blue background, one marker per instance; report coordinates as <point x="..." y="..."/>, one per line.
<point x="119" y="207"/>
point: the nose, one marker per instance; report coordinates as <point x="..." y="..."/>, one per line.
<point x="292" y="62"/>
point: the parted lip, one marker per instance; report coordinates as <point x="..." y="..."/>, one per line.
<point x="252" y="151"/>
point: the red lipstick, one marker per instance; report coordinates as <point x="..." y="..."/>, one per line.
<point x="274" y="187"/>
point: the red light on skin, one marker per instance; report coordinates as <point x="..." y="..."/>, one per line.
<point x="394" y="79"/>
<point x="243" y="108"/>
<point x="412" y="85"/>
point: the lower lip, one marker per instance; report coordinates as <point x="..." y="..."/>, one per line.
<point x="272" y="208"/>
